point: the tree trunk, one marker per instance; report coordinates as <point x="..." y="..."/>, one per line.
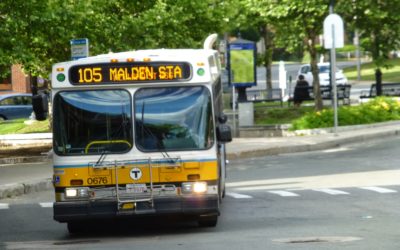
<point x="378" y="78"/>
<point x="314" y="68"/>
<point x="269" y="47"/>
<point x="376" y="56"/>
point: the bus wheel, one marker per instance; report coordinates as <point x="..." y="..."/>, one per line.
<point x="74" y="227"/>
<point x="208" y="221"/>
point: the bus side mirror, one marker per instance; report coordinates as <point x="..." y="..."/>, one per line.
<point x="40" y="106"/>
<point x="224" y="133"/>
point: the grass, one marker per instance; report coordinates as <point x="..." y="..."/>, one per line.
<point x="265" y="114"/>
<point x="19" y="126"/>
<point x="391" y="74"/>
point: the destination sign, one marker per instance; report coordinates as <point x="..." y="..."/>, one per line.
<point x="130" y="72"/>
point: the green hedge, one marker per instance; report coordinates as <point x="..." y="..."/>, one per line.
<point x="379" y="109"/>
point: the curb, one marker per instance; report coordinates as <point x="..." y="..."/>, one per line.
<point x="26" y="159"/>
<point x="334" y="142"/>
<point x="16" y="189"/>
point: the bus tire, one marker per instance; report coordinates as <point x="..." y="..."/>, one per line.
<point x="208" y="221"/>
<point x="74" y="227"/>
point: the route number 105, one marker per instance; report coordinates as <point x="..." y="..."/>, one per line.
<point x="88" y="75"/>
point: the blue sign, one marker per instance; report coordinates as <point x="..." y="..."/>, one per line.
<point x="242" y="63"/>
<point x="79" y="48"/>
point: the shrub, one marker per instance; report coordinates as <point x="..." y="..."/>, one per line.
<point x="379" y="109"/>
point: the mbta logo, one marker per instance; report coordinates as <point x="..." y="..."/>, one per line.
<point x="135" y="174"/>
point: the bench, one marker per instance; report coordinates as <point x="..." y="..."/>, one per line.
<point x="343" y="93"/>
<point x="388" y="89"/>
<point x="264" y="96"/>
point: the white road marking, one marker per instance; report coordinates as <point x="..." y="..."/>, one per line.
<point x="333" y="150"/>
<point x="284" y="193"/>
<point x="380" y="190"/>
<point x="4" y="206"/>
<point x="331" y="191"/>
<point x="46" y="204"/>
<point x="239" y="196"/>
<point x="334" y="181"/>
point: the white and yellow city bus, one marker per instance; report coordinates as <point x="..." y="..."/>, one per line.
<point x="139" y="133"/>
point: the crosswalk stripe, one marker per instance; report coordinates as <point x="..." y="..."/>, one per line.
<point x="380" y="190"/>
<point x="238" y="196"/>
<point x="46" y="204"/>
<point x="4" y="206"/>
<point x="331" y="191"/>
<point x="284" y="193"/>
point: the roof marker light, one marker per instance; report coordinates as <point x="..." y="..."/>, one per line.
<point x="130" y="60"/>
<point x="61" y="69"/>
<point x="146" y="59"/>
<point x="114" y="60"/>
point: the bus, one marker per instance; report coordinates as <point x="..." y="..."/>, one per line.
<point x="139" y="133"/>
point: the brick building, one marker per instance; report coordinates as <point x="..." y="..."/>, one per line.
<point x="18" y="82"/>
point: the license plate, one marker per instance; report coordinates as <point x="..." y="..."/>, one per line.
<point x="128" y="206"/>
<point x="136" y="188"/>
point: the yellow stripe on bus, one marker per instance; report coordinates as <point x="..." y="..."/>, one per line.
<point x="207" y="171"/>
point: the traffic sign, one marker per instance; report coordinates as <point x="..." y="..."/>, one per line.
<point x="333" y="31"/>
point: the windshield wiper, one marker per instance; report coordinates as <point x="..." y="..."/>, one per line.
<point x="159" y="143"/>
<point x="122" y="128"/>
<point x="101" y="158"/>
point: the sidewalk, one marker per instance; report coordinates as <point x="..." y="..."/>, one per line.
<point x="30" y="177"/>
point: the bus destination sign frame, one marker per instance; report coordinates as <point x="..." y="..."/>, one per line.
<point x="129" y="72"/>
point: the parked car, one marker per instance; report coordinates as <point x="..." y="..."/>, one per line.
<point x="324" y="74"/>
<point x="15" y="105"/>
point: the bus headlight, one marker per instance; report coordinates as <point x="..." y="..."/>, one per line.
<point x="200" y="187"/>
<point x="194" y="187"/>
<point x="79" y="192"/>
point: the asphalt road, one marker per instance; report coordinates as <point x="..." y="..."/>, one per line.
<point x="345" y="198"/>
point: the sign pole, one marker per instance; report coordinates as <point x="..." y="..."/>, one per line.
<point x="234" y="109"/>
<point x="333" y="77"/>
<point x="333" y="38"/>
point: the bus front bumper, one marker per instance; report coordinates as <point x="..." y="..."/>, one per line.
<point x="86" y="210"/>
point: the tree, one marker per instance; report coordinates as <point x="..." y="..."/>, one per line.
<point x="378" y="22"/>
<point x="307" y="17"/>
<point x="288" y="22"/>
<point x="253" y="15"/>
<point x="39" y="31"/>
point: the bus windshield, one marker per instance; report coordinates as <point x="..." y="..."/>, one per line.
<point x="92" y="122"/>
<point x="173" y="118"/>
